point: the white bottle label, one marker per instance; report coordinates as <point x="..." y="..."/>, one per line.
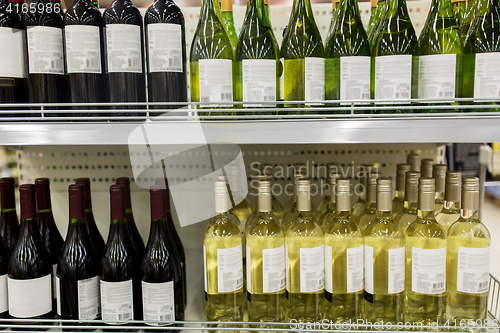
<point x="123" y="48"/>
<point x="58" y="293"/>
<point x="282" y="78"/>
<point x="314" y="80"/>
<point x="205" y="267"/>
<point x="312" y="269"/>
<point x="249" y="270"/>
<point x="216" y="81"/>
<point x="158" y="301"/>
<point x="368" y="269"/>
<point x="396" y="271"/>
<point x="54" y="275"/>
<point x="328" y="269"/>
<point x="4" y="300"/>
<point x="287" y="277"/>
<point x="355" y="78"/>
<point x="117" y="301"/>
<point x="45" y="50"/>
<point x="229" y="269"/>
<point x="88" y="298"/>
<point x="393" y="77"/>
<point x="473" y="270"/>
<point x="428" y="270"/>
<point x="31" y="297"/>
<point x="83" y="49"/>
<point x="487" y="75"/>
<point x="259" y="81"/>
<point x="164" y="47"/>
<point x="13" y="57"/>
<point x="273" y="269"/>
<point x="437" y="76"/>
<point x="354" y="269"/>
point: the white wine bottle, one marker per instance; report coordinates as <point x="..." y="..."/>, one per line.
<point x="331" y="170"/>
<point x="331" y="211"/>
<point x="451" y="207"/>
<point x="468" y="260"/>
<point x="399" y="198"/>
<point x="305" y="261"/>
<point x="410" y="209"/>
<point x="425" y="261"/>
<point x="267" y="170"/>
<point x="414" y="161"/>
<point x="266" y="270"/>
<point x="222" y="262"/>
<point x="299" y="170"/>
<point x="359" y="206"/>
<point x="343" y="262"/>
<point x="384" y="261"/>
<point x="368" y="215"/>
<point x="439" y="175"/>
<point x="426" y="166"/>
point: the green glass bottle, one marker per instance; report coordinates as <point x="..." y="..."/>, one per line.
<point x="335" y="11"/>
<point x="348" y="56"/>
<point x="227" y="20"/>
<point x="460" y="10"/>
<point x="394" y="55"/>
<point x="257" y="62"/>
<point x="440" y="58"/>
<point x="373" y="10"/>
<point x="267" y="17"/>
<point x="303" y="57"/>
<point x="377" y="18"/>
<point x="211" y="59"/>
<point x="470" y="13"/>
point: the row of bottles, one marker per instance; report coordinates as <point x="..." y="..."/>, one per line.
<point x="81" y="278"/>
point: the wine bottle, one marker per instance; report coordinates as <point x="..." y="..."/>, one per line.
<point x="335" y="11"/>
<point x="293" y="211"/>
<point x="95" y="235"/>
<point x="267" y="17"/>
<point x="369" y="214"/>
<point x="227" y="20"/>
<point x="134" y="234"/>
<point x="46" y="80"/>
<point x="394" y="52"/>
<point x="470" y="14"/>
<point x="4" y="264"/>
<point x="332" y="170"/>
<point x="451" y="207"/>
<point x="371" y="22"/>
<point x="120" y="268"/>
<point x="377" y="19"/>
<point x="409" y="213"/>
<point x="78" y="267"/>
<point x="166" y="53"/>
<point x="399" y="198"/>
<point x="257" y="58"/>
<point x="425" y="272"/>
<point x="298" y="170"/>
<point x="359" y="206"/>
<point x="384" y="259"/>
<point x="331" y="211"/>
<point x="439" y="175"/>
<point x="49" y="233"/>
<point x="303" y="57"/>
<point x="267" y="173"/>
<point x="304" y="245"/>
<point x="30" y="268"/>
<point x="468" y="253"/>
<point x="9" y="224"/>
<point x="222" y="255"/>
<point x="13" y="69"/>
<point x="459" y="9"/>
<point x="414" y="161"/>
<point x="266" y="270"/>
<point x="124" y="59"/>
<point x="211" y="58"/>
<point x="162" y="277"/>
<point x="426" y="166"/>
<point x="348" y="56"/>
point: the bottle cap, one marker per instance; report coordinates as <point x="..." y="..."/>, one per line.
<point x="42" y="189"/>
<point x="7" y="195"/>
<point x="227" y="5"/>
<point x="117" y="193"/>
<point x="400" y="176"/>
<point x="222" y="201"/>
<point x="332" y="181"/>
<point x="414" y="161"/>
<point x="439" y="174"/>
<point x="157" y="194"/>
<point x="374" y="3"/>
<point x="267" y="169"/>
<point x="76" y="201"/>
<point x="426" y="167"/>
<point x="384" y="194"/>
<point x="87" y="201"/>
<point x="304" y="194"/>
<point x="470" y="193"/>
<point x="300" y="169"/>
<point x="453" y="186"/>
<point x="265" y="196"/>
<point x="125" y="182"/>
<point x="411" y="187"/>
<point x="371" y="187"/>
<point x="343" y="189"/>
<point x="426" y="194"/>
<point x="28" y="205"/>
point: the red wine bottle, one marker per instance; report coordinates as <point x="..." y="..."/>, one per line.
<point x="78" y="267"/>
<point x="132" y="227"/>
<point x="166" y="54"/>
<point x="4" y="264"/>
<point x="120" y="274"/>
<point x="9" y="224"/>
<point x="124" y="58"/>
<point x="49" y="233"/>
<point x="95" y="235"/>
<point x="161" y="271"/>
<point x="30" y="268"/>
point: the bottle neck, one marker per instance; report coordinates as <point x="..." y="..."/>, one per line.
<point x="157" y="229"/>
<point x="409" y="205"/>
<point x="470" y="215"/>
<point x="442" y="8"/>
<point x="7" y="195"/>
<point x="400" y="195"/>
<point x="265" y="202"/>
<point x="426" y="214"/>
<point x="383" y="215"/>
<point x="395" y="8"/>
<point x="304" y="201"/>
<point x="451" y="205"/>
<point x="343" y="215"/>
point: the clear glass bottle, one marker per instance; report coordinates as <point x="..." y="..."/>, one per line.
<point x="331" y="211"/>
<point x="426" y="167"/>
<point x="414" y="161"/>
<point x="343" y="262"/>
<point x="425" y="242"/>
<point x="410" y="209"/>
<point x="451" y="207"/>
<point x="332" y="169"/>
<point x="368" y="215"/>
<point x="439" y="175"/>
<point x="399" y="198"/>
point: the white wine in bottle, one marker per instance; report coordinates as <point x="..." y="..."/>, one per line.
<point x="410" y="209"/>
<point x="399" y="198"/>
<point x="451" y="209"/>
<point x="468" y="260"/>
<point x="368" y="215"/>
<point x="331" y="170"/>
<point x="384" y="261"/>
<point x="414" y="161"/>
<point x="223" y="264"/>
<point x="425" y="261"/>
<point x="305" y="261"/>
<point x="343" y="262"/>
<point x="330" y="213"/>
<point x="439" y="174"/>
<point x="266" y="270"/>
<point x="299" y="170"/>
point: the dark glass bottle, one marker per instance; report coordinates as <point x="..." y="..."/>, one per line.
<point x="135" y="236"/>
<point x="9" y="224"/>
<point x="49" y="233"/>
<point x="161" y="270"/>
<point x="95" y="235"/>
<point x="30" y="268"/>
<point x="78" y="268"/>
<point x="120" y="268"/>
<point x="4" y="262"/>
<point x="166" y="54"/>
<point x="124" y="53"/>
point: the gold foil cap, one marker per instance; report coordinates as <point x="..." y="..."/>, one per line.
<point x="303" y="195"/>
<point x="227" y="5"/>
<point x="470" y="193"/>
<point x="400" y="176"/>
<point x="439" y="174"/>
<point x="411" y="189"/>
<point x="384" y="194"/>
<point x="332" y="182"/>
<point x="426" y="167"/>
<point x="265" y="196"/>
<point x="426" y="194"/>
<point x="343" y="189"/>
<point x="374" y="3"/>
<point x="371" y="187"/>
<point x="414" y="161"/>
<point x="453" y="185"/>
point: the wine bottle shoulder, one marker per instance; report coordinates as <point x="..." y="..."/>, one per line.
<point x="484" y="35"/>
<point x="78" y="259"/>
<point x="83" y="13"/>
<point x="256" y="41"/>
<point x="425" y="228"/>
<point x="9" y="18"/>
<point x="164" y="12"/>
<point x="160" y="263"/>
<point x="44" y="18"/>
<point x="29" y="258"/>
<point x="122" y="12"/>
